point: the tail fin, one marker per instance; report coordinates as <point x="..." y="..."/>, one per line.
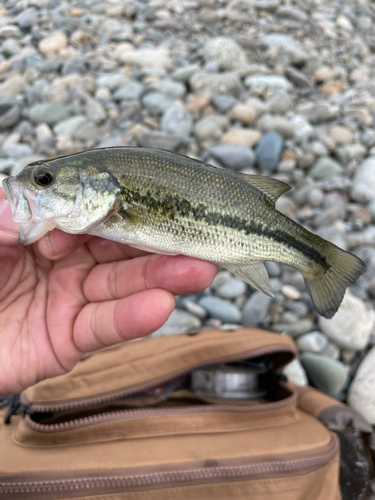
<point x="327" y="288"/>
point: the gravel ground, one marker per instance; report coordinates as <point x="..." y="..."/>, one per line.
<point x="260" y="86"/>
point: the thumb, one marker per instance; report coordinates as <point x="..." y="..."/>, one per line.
<point x="8" y="228"/>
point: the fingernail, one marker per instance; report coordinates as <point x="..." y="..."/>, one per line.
<point x="58" y="241"/>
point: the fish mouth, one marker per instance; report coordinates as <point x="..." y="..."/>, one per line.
<point x="32" y="227"/>
<point x="18" y="201"/>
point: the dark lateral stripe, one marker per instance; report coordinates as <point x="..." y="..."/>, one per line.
<point x="251" y="227"/>
<point x="172" y="206"/>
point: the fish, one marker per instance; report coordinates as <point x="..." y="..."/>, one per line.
<point x="171" y="204"/>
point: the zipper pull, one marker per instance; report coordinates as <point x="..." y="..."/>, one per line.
<point x="14" y="407"/>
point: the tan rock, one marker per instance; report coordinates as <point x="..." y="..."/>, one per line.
<point x="241" y="136"/>
<point x="52" y="44"/>
<point x="359" y="74"/>
<point x="341" y="135"/>
<point x="14" y="85"/>
<point x="334" y="87"/>
<point x="243" y="113"/>
<point x="197" y="102"/>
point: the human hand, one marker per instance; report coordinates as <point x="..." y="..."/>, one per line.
<point x="68" y="295"/>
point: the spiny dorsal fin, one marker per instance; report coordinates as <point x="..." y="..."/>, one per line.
<point x="270" y="187"/>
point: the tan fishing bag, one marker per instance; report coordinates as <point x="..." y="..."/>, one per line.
<point x="125" y="424"/>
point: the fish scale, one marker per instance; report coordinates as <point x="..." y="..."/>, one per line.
<point x="171" y="204"/>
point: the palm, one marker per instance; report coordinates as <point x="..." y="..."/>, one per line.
<point x="52" y="312"/>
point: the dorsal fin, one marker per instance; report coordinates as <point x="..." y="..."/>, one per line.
<point x="270" y="187"/>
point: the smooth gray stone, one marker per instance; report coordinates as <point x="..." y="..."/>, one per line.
<point x="326" y="374"/>
<point x="129" y="92"/>
<point x="232" y="288"/>
<point x="74" y="65"/>
<point x="153" y="139"/>
<point x="179" y="322"/>
<point x="295" y="329"/>
<point x="228" y="54"/>
<point x="213" y="85"/>
<point x="273" y="269"/>
<point x="269" y="150"/>
<point x="70" y="126"/>
<point x="171" y="89"/>
<point x="17" y="150"/>
<point x="112" y="81"/>
<point x="256" y="309"/>
<point x="278" y="102"/>
<point x="10" y="117"/>
<point x="324" y="168"/>
<point x="183" y="74"/>
<point x="361" y="394"/>
<point x="156" y="103"/>
<point x="48" y="112"/>
<point x="27" y="18"/>
<point x="221" y="309"/>
<point x="364" y="181"/>
<point x="177" y="121"/>
<point x="224" y="102"/>
<point x="312" y="342"/>
<point x="234" y="156"/>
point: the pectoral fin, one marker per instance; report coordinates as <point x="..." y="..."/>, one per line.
<point x="254" y="274"/>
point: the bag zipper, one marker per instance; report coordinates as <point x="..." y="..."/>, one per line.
<point x="297" y="464"/>
<point x="106" y="398"/>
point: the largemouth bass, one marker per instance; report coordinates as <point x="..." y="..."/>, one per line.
<point x="171" y="204"/>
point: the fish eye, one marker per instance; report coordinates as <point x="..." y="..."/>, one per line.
<point x="43" y="177"/>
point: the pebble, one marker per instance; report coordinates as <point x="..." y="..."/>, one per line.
<point x="295" y="329"/>
<point x="312" y="342"/>
<point x="340" y="135"/>
<point x="260" y="84"/>
<point x="363" y="189"/>
<point x="269" y="151"/>
<point x="69" y="126"/>
<point x="241" y="136"/>
<point x="278" y="102"/>
<point x="179" y="322"/>
<point x="324" y="168"/>
<point x="177" y="121"/>
<point x="232" y="289"/>
<point x="14" y="85"/>
<point x="212" y="85"/>
<point x="154" y="139"/>
<point x="226" y="52"/>
<point x="52" y="44"/>
<point x="326" y="374"/>
<point x="95" y="111"/>
<point x="256" y="309"/>
<point x="278" y="124"/>
<point x="151" y="58"/>
<point x="243" y="113"/>
<point x="295" y="372"/>
<point x="156" y="103"/>
<point x="210" y="127"/>
<point x="291" y="292"/>
<point x="221" y="309"/>
<point x="234" y="156"/>
<point x="351" y="326"/>
<point x="112" y="81"/>
<point x="48" y="112"/>
<point x="361" y="395"/>
<point x="129" y="92"/>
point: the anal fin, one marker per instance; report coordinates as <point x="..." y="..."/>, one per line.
<point x="254" y="274"/>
